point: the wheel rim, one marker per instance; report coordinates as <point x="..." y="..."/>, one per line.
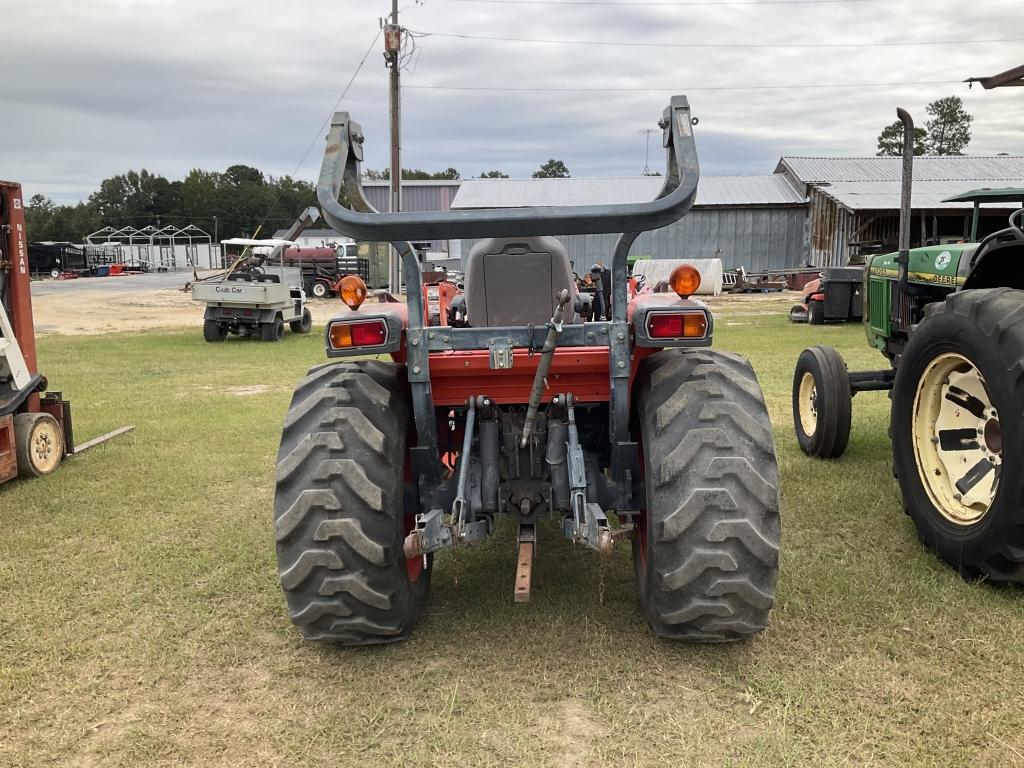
<point x="45" y="446"/>
<point x="957" y="439"/>
<point x="319" y="290"/>
<point x="807" y="401"/>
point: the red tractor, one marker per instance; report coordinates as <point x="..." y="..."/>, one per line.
<point x="515" y="397"/>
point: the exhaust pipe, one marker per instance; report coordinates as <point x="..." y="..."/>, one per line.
<point x="903" y="256"/>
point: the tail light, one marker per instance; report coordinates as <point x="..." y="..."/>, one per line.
<point x="363" y="333"/>
<point x="677" y="325"/>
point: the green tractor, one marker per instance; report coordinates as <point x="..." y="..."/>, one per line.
<point x="949" y="319"/>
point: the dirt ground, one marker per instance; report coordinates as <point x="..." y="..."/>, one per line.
<point x="92" y="307"/>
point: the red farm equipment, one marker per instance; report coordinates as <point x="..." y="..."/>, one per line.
<point x="519" y="395"/>
<point x="35" y="425"/>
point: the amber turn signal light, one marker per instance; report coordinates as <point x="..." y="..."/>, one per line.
<point x="685" y="280"/>
<point x="352" y="290"/>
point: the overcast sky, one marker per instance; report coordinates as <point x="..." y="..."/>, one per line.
<point x="97" y="87"/>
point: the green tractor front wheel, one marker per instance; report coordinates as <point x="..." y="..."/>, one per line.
<point x="957" y="435"/>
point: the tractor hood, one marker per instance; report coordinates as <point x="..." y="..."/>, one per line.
<point x="932" y="264"/>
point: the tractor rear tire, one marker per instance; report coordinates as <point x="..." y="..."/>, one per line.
<point x="822" y="403"/>
<point x="272" y="331"/>
<point x="340" y="507"/>
<point x="39" y="444"/>
<point x="213" y="332"/>
<point x="815" y="313"/>
<point x="302" y="325"/>
<point x="706" y="552"/>
<point x="957" y="435"/>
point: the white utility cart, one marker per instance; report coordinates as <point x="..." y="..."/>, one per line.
<point x="257" y="294"/>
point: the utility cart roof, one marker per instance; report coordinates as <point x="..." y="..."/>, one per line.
<point x="989" y="195"/>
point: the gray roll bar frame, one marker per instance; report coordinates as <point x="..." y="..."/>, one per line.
<point x="341" y="168"/>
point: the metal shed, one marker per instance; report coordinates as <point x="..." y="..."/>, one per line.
<point x="757" y="222"/>
<point x="425" y="195"/>
<point x="854" y="201"/>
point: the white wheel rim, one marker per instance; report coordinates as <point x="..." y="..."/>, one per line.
<point x="957" y="439"/>
<point x="46" y="446"/>
<point x="807" y="399"/>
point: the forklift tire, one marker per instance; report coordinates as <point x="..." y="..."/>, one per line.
<point x="304" y="325"/>
<point x="957" y="435"/>
<point x="39" y="444"/>
<point x="342" y="510"/>
<point x="706" y="548"/>
<point x="273" y="331"/>
<point x="213" y="332"/>
<point x="822" y="403"/>
<point x="815" y="313"/>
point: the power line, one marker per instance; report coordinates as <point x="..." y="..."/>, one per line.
<point x="678" y="89"/>
<point x="320" y="130"/>
<point x="631" y="43"/>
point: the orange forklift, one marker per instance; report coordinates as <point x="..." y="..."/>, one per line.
<point x="35" y="425"/>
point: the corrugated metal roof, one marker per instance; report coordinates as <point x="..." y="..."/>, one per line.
<point x="416" y="183"/>
<point x="885" y="195"/>
<point x="712" y="190"/>
<point x="959" y="168"/>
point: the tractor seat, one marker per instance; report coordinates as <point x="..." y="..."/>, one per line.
<point x="513" y="281"/>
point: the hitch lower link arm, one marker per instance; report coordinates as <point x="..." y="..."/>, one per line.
<point x="432" y="531"/>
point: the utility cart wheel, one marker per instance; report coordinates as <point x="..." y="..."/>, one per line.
<point x="213" y="331"/>
<point x="822" y="403"/>
<point x="39" y="444"/>
<point x="272" y="331"/>
<point x="342" y="511"/>
<point x="319" y="290"/>
<point x="304" y="324"/>
<point x="815" y="313"/>
<point x="706" y="551"/>
<point x="956" y="425"/>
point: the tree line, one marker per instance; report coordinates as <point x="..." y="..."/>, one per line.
<point x="232" y="203"/>
<point x="238" y="202"/>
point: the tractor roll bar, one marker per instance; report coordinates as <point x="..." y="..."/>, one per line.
<point x="344" y="154"/>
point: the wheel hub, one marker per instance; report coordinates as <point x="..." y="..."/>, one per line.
<point x="808" y="404"/>
<point x="958" y="441"/>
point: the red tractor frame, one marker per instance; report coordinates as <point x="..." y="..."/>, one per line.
<point x="525" y="397"/>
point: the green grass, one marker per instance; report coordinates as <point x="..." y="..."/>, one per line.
<point x="143" y="624"/>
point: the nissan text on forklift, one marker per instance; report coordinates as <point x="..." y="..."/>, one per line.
<point x="35" y="425"/>
<point x="519" y="395"/>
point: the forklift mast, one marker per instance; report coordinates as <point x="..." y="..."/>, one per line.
<point x="15" y="288"/>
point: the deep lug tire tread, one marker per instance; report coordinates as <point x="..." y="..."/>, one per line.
<point x="212" y="331"/>
<point x="713" y="527"/>
<point x="338" y="507"/>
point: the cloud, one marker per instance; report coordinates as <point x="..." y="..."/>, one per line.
<point x="170" y="85"/>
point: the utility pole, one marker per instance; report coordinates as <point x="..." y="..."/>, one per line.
<point x="392" y="53"/>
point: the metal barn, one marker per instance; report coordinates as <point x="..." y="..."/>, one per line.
<point x="757" y="222"/>
<point x="854" y="201"/>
